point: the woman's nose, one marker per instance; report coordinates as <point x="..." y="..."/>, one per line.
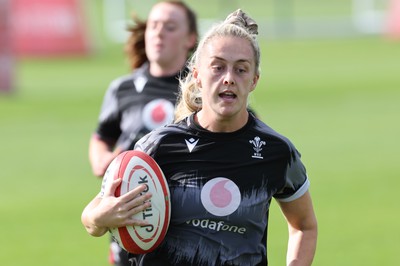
<point x="228" y="80"/>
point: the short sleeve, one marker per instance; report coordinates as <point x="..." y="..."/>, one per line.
<point x="109" y="119"/>
<point x="296" y="181"/>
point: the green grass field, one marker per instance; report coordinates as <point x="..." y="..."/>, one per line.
<point x="337" y="100"/>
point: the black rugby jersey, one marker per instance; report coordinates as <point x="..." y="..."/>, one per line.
<point x="221" y="188"/>
<point x="134" y="105"/>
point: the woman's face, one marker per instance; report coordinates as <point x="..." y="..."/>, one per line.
<point x="167" y="35"/>
<point x="226" y="74"/>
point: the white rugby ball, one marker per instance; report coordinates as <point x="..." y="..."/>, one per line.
<point x="136" y="168"/>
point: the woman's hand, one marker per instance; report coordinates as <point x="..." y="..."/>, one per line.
<point x="109" y="211"/>
<point x="119" y="211"/>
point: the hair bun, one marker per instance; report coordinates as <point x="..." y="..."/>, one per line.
<point x="241" y="19"/>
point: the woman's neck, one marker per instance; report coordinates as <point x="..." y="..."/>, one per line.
<point x="215" y="123"/>
<point x="165" y="70"/>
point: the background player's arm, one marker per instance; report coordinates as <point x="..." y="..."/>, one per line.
<point x="302" y="225"/>
<point x="101" y="155"/>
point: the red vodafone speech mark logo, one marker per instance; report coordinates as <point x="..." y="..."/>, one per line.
<point x="220" y="196"/>
<point x="157" y="113"/>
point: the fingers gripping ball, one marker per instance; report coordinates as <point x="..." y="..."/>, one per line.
<point x="137" y="168"/>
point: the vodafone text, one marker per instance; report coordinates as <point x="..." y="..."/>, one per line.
<point x="216" y="226"/>
<point x="147" y="213"/>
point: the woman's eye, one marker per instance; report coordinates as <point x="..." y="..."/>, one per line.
<point x="170" y="27"/>
<point x="241" y="69"/>
<point x="217" y="68"/>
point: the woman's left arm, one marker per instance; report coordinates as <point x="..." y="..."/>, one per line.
<point x="303" y="231"/>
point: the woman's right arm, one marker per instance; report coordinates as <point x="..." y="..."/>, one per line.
<point x="102" y="148"/>
<point x="89" y="220"/>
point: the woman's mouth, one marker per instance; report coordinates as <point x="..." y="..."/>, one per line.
<point x="227" y="95"/>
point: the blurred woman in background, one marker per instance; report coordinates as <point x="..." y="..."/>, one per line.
<point x="143" y="100"/>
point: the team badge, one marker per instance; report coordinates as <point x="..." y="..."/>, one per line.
<point x="257" y="147"/>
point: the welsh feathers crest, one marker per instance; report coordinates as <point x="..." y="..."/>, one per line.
<point x="257" y="147"/>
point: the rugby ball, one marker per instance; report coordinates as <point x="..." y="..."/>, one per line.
<point x="137" y="168"/>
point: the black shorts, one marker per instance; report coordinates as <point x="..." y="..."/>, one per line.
<point x="120" y="257"/>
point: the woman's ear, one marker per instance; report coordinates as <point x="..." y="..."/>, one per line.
<point x="196" y="77"/>
<point x="191" y="41"/>
<point x="254" y="82"/>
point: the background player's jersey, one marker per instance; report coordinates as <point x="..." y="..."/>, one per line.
<point x="221" y="187"/>
<point x="136" y="104"/>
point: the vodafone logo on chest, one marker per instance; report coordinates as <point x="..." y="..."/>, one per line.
<point x="220" y="196"/>
<point x="157" y="113"/>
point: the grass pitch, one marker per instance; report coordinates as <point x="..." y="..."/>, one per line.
<point x="337" y="100"/>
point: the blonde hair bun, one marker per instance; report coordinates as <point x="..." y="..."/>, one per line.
<point x="242" y="20"/>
